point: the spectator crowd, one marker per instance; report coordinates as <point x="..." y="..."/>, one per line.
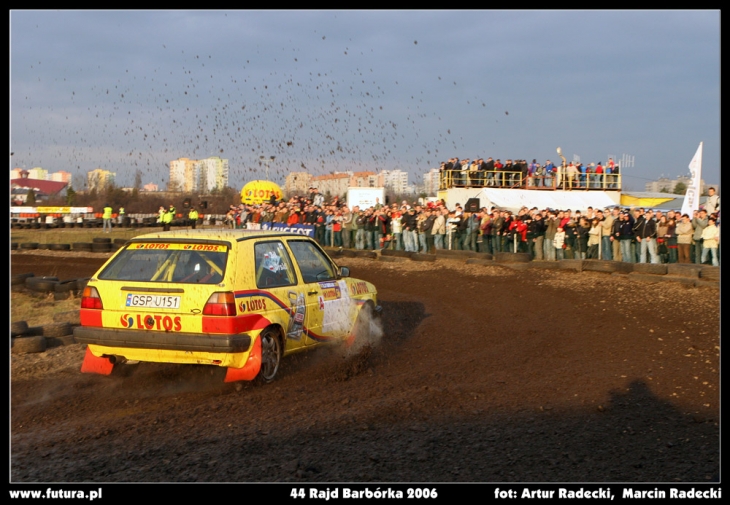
<point x="632" y="235"/>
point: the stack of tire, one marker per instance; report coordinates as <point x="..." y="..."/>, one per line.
<point x="101" y="244"/>
<point x="30" y="339"/>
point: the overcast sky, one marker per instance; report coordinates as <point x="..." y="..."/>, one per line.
<point x="363" y="90"/>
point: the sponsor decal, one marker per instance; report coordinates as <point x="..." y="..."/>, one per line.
<point x="151" y="322"/>
<point x="256" y="304"/>
<point x="181" y="247"/>
<point x="126" y="320"/>
<point x="359" y="288"/>
<point x="301" y="229"/>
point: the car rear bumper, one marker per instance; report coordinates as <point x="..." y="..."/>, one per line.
<point x="111" y="337"/>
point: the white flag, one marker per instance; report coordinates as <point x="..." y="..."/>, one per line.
<point x="692" y="197"/>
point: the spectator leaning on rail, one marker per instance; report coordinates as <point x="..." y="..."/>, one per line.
<point x="107" y="217"/>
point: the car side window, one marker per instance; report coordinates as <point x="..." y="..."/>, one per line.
<point x="273" y="265"/>
<point x="314" y="265"/>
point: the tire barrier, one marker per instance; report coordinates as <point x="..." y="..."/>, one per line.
<point x="81" y="246"/>
<point x="684" y="270"/>
<point x="423" y="257"/>
<point x="101" y="240"/>
<point x="710" y="273"/>
<point x="18" y="328"/>
<point x="650" y="268"/>
<point x="101" y="247"/>
<point x="483" y="262"/>
<point x="366" y="254"/>
<point x="57" y="329"/>
<point x="393" y="252"/>
<point x="457" y="253"/>
<point x="29" y="344"/>
<point x="29" y="245"/>
<point x="41" y="284"/>
<point x="508" y="257"/>
<point x="13" y="246"/>
<point x="60" y="247"/>
<point x="17" y="279"/>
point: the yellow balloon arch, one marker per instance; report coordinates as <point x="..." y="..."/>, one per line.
<point x="260" y="192"/>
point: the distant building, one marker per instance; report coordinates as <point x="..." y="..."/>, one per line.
<point x="666" y="185"/>
<point x="20" y="186"/>
<point x="99" y="179"/>
<point x="205" y="175"/>
<point x="60" y="176"/>
<point x="150" y="187"/>
<point x="395" y="180"/>
<point x="38" y="173"/>
<point x="365" y="180"/>
<point x="335" y="184"/>
<point x="297" y="182"/>
<point x="431" y="182"/>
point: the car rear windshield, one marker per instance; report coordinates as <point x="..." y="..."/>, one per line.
<point x="173" y="263"/>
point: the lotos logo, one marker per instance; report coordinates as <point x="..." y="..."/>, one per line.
<point x="151" y="322"/>
<point x="126" y="320"/>
<point x="256" y="304"/>
<point x="358" y="288"/>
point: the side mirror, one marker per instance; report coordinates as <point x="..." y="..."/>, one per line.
<point x="344" y="272"/>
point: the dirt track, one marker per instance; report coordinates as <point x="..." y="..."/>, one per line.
<point x="484" y="374"/>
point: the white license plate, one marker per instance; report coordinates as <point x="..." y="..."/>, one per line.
<point x="153" y="301"/>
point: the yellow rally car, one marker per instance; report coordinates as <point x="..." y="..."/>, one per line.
<point x="232" y="298"/>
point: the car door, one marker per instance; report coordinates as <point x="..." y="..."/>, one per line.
<point x="278" y="289"/>
<point x="327" y="298"/>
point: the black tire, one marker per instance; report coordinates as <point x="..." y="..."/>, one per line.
<point x="72" y="317"/>
<point x="366" y="254"/>
<point x="18" y="327"/>
<point x="41" y="284"/>
<point x="60" y="341"/>
<point x="29" y="245"/>
<point x="44" y="246"/>
<point x="102" y="240"/>
<point x="98" y="247"/>
<point x="393" y="252"/>
<point x="650" y="268"/>
<point x="271" y="352"/>
<point x="61" y="295"/>
<point x="423" y="257"/>
<point x="81" y="246"/>
<point x="57" y="329"/>
<point x="29" y="344"/>
<point x="18" y="279"/>
<point x="60" y="247"/>
<point x="66" y="286"/>
<point x="508" y="257"/>
<point x="710" y="273"/>
<point x="13" y="246"/>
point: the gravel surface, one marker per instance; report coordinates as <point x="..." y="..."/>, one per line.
<point x="483" y="374"/>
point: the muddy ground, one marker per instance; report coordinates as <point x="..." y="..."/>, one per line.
<point x="484" y="374"/>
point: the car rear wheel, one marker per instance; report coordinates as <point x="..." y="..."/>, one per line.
<point x="271" y="352"/>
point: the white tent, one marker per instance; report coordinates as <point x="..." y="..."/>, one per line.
<point x="514" y="199"/>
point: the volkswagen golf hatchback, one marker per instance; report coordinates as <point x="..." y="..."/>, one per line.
<point x="230" y="298"/>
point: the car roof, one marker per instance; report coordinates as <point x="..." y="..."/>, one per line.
<point x="214" y="234"/>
